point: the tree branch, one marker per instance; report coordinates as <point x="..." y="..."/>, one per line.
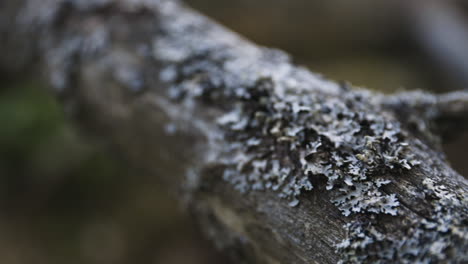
<point x="277" y="164"/>
<point x="430" y="114"/>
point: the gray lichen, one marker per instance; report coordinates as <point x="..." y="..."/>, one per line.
<point x="435" y="239"/>
<point x="281" y="127"/>
<point x="284" y="126"/>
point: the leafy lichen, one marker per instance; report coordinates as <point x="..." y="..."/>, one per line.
<point x="282" y="125"/>
<point x="435" y="239"/>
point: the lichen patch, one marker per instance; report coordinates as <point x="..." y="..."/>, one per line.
<point x="282" y="125"/>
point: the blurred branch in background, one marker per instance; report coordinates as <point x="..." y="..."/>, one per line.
<point x="441" y="27"/>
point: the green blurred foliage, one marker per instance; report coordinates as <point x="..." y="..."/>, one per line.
<point x="64" y="200"/>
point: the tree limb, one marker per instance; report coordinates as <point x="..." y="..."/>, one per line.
<point x="431" y="115"/>
<point x="276" y="163"/>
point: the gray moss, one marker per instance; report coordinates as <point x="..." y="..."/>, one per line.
<point x="283" y="126"/>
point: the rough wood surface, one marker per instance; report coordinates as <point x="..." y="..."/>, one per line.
<point x="276" y="163"/>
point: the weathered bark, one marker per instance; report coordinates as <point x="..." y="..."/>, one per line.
<point x="277" y="164"/>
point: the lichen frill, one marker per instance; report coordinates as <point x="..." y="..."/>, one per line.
<point x="284" y="126"/>
<point x="440" y="236"/>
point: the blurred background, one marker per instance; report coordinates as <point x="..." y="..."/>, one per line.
<point x="64" y="199"/>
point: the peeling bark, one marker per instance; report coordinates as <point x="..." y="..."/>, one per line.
<point x="277" y="164"/>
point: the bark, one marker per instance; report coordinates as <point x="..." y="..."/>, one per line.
<point x="276" y="163"/>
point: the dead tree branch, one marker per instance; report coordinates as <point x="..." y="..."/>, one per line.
<point x="277" y="164"/>
<point x="443" y="115"/>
